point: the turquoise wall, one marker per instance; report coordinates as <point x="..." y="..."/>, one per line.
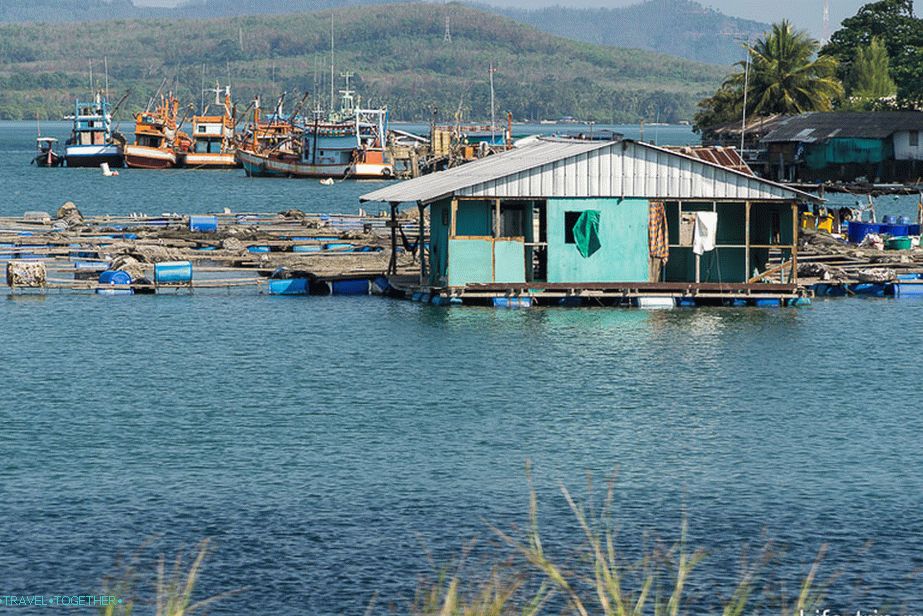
<point x="624" y="254"/>
<point x="475" y="218"/>
<point x="472" y="256"/>
<point x="470" y="261"/>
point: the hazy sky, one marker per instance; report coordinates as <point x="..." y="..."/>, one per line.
<point x="804" y="13"/>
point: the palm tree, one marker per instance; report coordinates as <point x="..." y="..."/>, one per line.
<point x="786" y="76"/>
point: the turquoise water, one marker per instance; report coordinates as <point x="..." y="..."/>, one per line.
<point x="325" y="445"/>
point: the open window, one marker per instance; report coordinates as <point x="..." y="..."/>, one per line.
<point x="570" y="221"/>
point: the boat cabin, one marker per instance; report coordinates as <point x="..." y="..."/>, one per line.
<point x="211" y="134"/>
<point x="568" y="216"/>
<point x="91" y="122"/>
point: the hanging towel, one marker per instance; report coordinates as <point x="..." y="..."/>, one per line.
<point x="586" y="233"/>
<point x="706" y="229"/>
<point x="658" y="235"/>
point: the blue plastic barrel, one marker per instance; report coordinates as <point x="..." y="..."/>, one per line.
<point x="203" y="224"/>
<point x="173" y="272"/>
<point x="898" y="230"/>
<point x="306" y="248"/>
<point x="94" y="266"/>
<point x="351" y="287"/>
<point x="114" y="291"/>
<point x="868" y="288"/>
<point x="290" y="286"/>
<point x="338" y="246"/>
<point x="114" y="277"/>
<point x="382" y="285"/>
<point x="887" y="220"/>
<point x="258" y="249"/>
<point x="903" y="220"/>
<point x="858" y="230"/>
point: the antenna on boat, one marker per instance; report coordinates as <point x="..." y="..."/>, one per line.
<point x="156" y="94"/>
<point x="347" y="94"/>
<point x="92" y="89"/>
<point x="106" y="65"/>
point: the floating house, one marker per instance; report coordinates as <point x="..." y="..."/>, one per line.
<point x="614" y="221"/>
<point x="814" y="147"/>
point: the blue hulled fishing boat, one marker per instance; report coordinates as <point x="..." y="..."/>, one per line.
<point x="91" y="143"/>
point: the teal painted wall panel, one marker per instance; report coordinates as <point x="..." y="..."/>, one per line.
<point x="470" y="261"/>
<point x="509" y="261"/>
<point x="624" y="254"/>
<point x="474" y="218"/>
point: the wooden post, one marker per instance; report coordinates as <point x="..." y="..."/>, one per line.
<point x="747" y="272"/>
<point x="453" y="222"/>
<point x="496" y="218"/>
<point x="420" y="243"/>
<point x="794" y="277"/>
<point x="392" y="266"/>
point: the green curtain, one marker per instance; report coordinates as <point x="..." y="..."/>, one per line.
<point x="586" y="233"/>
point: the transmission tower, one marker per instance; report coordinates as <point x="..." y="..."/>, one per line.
<point x="448" y="29"/>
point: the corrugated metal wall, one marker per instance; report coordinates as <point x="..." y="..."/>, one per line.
<point x="628" y="170"/>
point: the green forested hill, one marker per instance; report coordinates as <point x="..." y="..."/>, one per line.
<point x="397" y="52"/>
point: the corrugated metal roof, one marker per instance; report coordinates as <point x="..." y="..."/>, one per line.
<point x="819" y="127"/>
<point x="553" y="168"/>
<point x="443" y="183"/>
<point x="726" y="157"/>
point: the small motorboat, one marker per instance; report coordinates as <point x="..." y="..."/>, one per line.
<point x="46" y="156"/>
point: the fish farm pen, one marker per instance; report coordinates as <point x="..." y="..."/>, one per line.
<point x="291" y="253"/>
<point x="294" y="253"/>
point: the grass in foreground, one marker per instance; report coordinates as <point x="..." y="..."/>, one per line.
<point x="597" y="580"/>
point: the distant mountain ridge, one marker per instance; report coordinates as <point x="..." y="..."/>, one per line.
<point x="676" y="27"/>
<point x="398" y="53"/>
<point x="682" y="28"/>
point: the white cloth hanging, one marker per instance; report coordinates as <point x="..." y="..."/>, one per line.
<point x="706" y="230"/>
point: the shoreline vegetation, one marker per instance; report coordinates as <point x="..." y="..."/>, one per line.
<point x="874" y="62"/>
<point x="398" y="53"/>
<point x="598" y="575"/>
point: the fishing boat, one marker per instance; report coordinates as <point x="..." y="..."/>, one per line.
<point x="46" y="155"/>
<point x="213" y="137"/>
<point x="157" y="137"/>
<point x="92" y="141"/>
<point x="350" y="143"/>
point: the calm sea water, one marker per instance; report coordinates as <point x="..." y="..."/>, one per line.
<point x="327" y="446"/>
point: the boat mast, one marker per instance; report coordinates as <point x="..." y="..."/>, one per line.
<point x="106" y="65"/>
<point x="202" y="97"/>
<point x="493" y="113"/>
<point x="333" y="101"/>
